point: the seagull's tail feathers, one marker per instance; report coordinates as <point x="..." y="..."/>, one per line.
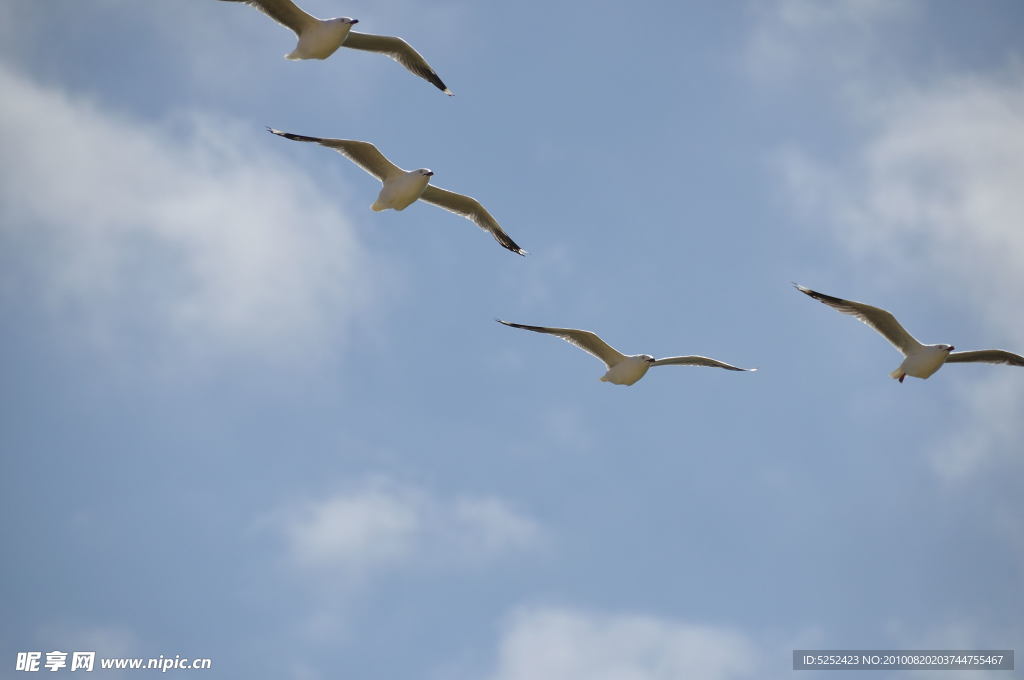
<point x="898" y="374"/>
<point x="378" y="206"/>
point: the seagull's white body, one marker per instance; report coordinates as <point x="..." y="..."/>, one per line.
<point x="629" y="369"/>
<point x="921" y="361"/>
<point x="321" y="39"/>
<point x="623" y="369"/>
<point x="402" y="190"/>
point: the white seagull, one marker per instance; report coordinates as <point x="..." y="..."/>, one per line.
<point x="320" y="38"/>
<point x="623" y="369"/>
<point x="921" y="360"/>
<point x="402" y="188"/>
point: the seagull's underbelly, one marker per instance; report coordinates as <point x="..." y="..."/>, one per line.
<point x="924" y="364"/>
<point x="320" y="41"/>
<point x="626" y="372"/>
<point x="399" y="193"/>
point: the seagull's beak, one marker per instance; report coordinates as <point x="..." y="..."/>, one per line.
<point x="951" y="348"/>
<point x="354" y="22"/>
<point x="430" y="173"/>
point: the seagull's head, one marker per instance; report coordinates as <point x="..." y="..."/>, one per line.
<point x="426" y="172"/>
<point x="948" y="348"/>
<point x="346" y="20"/>
<point x="648" y="358"/>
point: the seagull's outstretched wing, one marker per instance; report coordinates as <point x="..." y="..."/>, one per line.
<point x="585" y="340"/>
<point x="988" y="356"/>
<point x="363" y="154"/>
<point x="470" y="208"/>
<point x="400" y="51"/>
<point x="699" y="361"/>
<point x="879" y="319"/>
<point x="284" y="12"/>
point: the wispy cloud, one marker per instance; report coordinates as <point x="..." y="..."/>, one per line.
<point x="932" y="194"/>
<point x="550" y="643"/>
<point x="189" y="231"/>
<point x="357" y="530"/>
<point x="967" y="633"/>
<point x="383" y="524"/>
<point x="840" y="34"/>
<point x="935" y="183"/>
<point x="987" y="433"/>
<point x="339" y="549"/>
<point x="105" y="640"/>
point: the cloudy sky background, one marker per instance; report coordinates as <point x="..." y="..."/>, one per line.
<point x="246" y="418"/>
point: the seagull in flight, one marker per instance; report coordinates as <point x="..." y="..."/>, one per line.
<point x="402" y="187"/>
<point x="320" y="38"/>
<point x="623" y="369"/>
<point x="921" y="360"/>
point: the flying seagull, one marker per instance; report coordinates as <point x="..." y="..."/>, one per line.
<point x="623" y="369"/>
<point x="320" y="38"/>
<point x="402" y="188"/>
<point x="921" y="360"/>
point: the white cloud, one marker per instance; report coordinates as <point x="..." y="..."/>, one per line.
<point x="933" y="196"/>
<point x="190" y="230"/>
<point x="965" y="634"/>
<point x="840" y="34"/>
<point x="337" y="549"/>
<point x="810" y="14"/>
<point x="988" y="433"/>
<point x="358" y="529"/>
<point x="937" y="183"/>
<point x="548" y="643"/>
<point x="106" y="641"/>
<point x="382" y="524"/>
<point x="487" y="526"/>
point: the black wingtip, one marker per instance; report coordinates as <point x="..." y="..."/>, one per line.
<point x="812" y="293"/>
<point x="510" y="246"/>
<point x="292" y="136"/>
<point x="829" y="300"/>
<point x="436" y="81"/>
<point x="512" y="324"/>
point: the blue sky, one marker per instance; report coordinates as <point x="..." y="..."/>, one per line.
<point x="246" y="418"/>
